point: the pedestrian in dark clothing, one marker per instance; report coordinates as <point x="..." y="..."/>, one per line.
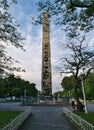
<point x="73" y="105"/>
<point x="82" y="107"/>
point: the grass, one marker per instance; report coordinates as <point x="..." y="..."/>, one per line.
<point x="90" y="102"/>
<point x="88" y="117"/>
<point x="7" y="116"/>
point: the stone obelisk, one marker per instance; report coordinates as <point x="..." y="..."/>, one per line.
<point x="46" y="60"/>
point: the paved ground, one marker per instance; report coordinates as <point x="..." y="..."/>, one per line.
<point x="12" y="107"/>
<point x="90" y="107"/>
<point x="47" y="118"/>
<point x="17" y="107"/>
<point x="44" y="118"/>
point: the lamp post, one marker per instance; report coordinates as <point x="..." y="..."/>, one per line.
<point x="25" y="93"/>
<point x="84" y="96"/>
<point x="58" y="96"/>
<point x="57" y="93"/>
<point x="38" y="96"/>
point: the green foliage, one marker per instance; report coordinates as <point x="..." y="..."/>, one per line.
<point x="68" y="83"/>
<point x="9" y="28"/>
<point x="88" y="83"/>
<point x="16" y="92"/>
<point x="6" y="63"/>
<point x="89" y="86"/>
<point x="74" y="14"/>
<point x="8" y="34"/>
<point x="15" y="86"/>
<point x="90" y="10"/>
<point x="32" y="91"/>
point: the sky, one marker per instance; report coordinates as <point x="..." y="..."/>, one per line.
<point x="31" y="59"/>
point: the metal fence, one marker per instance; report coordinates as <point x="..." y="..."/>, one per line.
<point x="83" y="125"/>
<point x="14" y="124"/>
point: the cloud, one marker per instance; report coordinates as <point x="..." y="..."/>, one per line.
<point x="90" y="38"/>
<point x="31" y="59"/>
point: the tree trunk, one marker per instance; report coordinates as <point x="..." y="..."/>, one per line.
<point x="80" y="106"/>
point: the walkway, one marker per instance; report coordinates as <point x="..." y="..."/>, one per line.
<point x="47" y="118"/>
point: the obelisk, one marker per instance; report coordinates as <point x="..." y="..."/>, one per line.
<point x="46" y="80"/>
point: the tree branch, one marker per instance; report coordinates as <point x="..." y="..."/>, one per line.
<point x="79" y="4"/>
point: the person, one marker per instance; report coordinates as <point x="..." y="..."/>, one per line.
<point x="82" y="107"/>
<point x="73" y="105"/>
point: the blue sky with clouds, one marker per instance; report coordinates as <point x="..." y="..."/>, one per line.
<point x="31" y="59"/>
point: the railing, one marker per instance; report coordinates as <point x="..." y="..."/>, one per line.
<point x="14" y="124"/>
<point x="84" y="125"/>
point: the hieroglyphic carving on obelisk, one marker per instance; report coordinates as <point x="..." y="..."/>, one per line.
<point x="46" y="59"/>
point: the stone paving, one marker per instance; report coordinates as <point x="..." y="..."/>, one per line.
<point x="44" y="117"/>
<point x="47" y="118"/>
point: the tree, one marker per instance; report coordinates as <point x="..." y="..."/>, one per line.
<point x="74" y="14"/>
<point x="6" y="63"/>
<point x="31" y="90"/>
<point x="16" y="92"/>
<point x="79" y="62"/>
<point x="89" y="86"/>
<point x="2" y="57"/>
<point x="77" y="18"/>
<point x="68" y="83"/>
<point x="15" y="86"/>
<point x="2" y="89"/>
<point x="8" y="34"/>
<point x="9" y="27"/>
